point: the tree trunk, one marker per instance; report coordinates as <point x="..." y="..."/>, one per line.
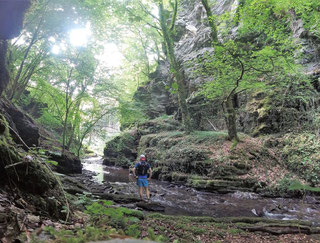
<point x="70" y="141"/>
<point x="231" y="119"/>
<point x="176" y="69"/>
<point x="214" y="32"/>
<point x="182" y="97"/>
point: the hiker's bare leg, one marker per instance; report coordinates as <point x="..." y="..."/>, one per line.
<point x="141" y="192"/>
<point x="147" y="192"/>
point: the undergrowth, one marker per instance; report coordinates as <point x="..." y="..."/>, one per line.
<point x="105" y="221"/>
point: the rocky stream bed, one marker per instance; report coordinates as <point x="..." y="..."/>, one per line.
<point x="175" y="199"/>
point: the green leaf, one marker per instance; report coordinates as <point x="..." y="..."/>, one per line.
<point x="52" y="162"/>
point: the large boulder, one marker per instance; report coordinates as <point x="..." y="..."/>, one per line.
<point x="33" y="180"/>
<point x="68" y="163"/>
<point x="122" y="150"/>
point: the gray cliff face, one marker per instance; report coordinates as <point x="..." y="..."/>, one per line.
<point x="310" y="46"/>
<point x="195" y="40"/>
<point x="155" y="95"/>
<point x="192" y="41"/>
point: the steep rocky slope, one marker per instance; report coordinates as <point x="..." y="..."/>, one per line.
<point x="206" y="160"/>
<point x="260" y="113"/>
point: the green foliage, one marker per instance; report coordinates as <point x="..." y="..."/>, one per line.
<point x="131" y="114"/>
<point x="84" y="199"/>
<point x="133" y="231"/>
<point x="284" y="184"/>
<point x="296" y="185"/>
<point x="301" y="155"/>
<point x="307" y="10"/>
<point x="103" y="212"/>
<point x="52" y="162"/>
<point x="237" y="66"/>
<point x="89" y="233"/>
<point x="154" y="237"/>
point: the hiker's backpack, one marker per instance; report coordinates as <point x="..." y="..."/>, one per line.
<point x="142" y="168"/>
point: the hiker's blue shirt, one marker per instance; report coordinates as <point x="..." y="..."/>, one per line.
<point x="148" y="167"/>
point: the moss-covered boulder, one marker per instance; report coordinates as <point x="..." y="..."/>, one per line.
<point x="68" y="163"/>
<point x="121" y="150"/>
<point x="22" y="126"/>
<point x="29" y="175"/>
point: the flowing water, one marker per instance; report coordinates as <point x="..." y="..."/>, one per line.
<point x="182" y="200"/>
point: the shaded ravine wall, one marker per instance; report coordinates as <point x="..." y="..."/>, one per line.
<point x="11" y="20"/>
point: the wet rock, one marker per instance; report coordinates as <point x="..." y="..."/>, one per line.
<point x="118" y="198"/>
<point x="155" y="207"/>
<point x="245" y="195"/>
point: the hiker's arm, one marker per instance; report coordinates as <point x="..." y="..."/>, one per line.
<point x="150" y="174"/>
<point x="134" y="172"/>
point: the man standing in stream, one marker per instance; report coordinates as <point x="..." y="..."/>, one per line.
<point x="142" y="172"/>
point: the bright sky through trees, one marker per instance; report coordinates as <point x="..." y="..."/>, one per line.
<point x="80" y="37"/>
<point x="110" y="57"/>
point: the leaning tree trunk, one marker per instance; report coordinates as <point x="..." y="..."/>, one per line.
<point x="231" y="119"/>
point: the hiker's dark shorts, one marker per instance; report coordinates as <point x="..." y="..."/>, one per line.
<point x="142" y="182"/>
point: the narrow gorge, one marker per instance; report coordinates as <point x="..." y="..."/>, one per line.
<point x="220" y="97"/>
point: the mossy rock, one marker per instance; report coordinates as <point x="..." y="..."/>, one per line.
<point x="121" y="150"/>
<point x="179" y="177"/>
<point x="156" y="172"/>
<point x="222" y="186"/>
<point x="159" y="125"/>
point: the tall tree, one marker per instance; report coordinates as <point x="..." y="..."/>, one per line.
<point x="238" y="64"/>
<point x="176" y="68"/>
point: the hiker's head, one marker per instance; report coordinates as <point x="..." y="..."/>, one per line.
<point x="142" y="157"/>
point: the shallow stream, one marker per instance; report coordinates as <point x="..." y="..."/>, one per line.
<point x="182" y="200"/>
